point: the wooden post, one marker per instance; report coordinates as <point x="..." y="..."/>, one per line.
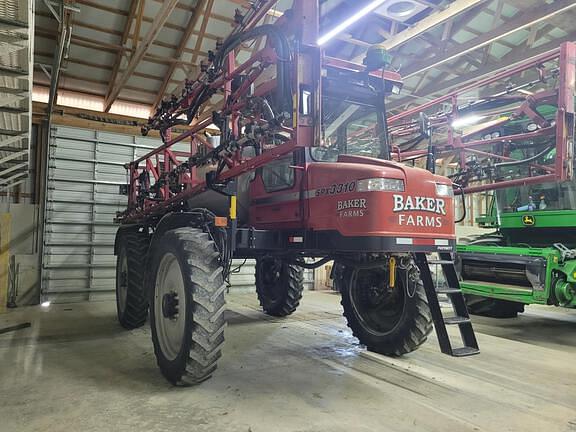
<point x="5" y="229"/>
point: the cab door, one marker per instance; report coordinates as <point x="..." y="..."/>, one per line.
<point x="275" y="194"/>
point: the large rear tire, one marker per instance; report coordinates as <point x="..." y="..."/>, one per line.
<point x="391" y="321"/>
<point x="131" y="298"/>
<point x="279" y="286"/>
<point x="186" y="305"/>
<point x="493" y="308"/>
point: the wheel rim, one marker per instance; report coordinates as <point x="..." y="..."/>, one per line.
<point x="378" y="307"/>
<point x="170" y="306"/>
<point x="122" y="281"/>
<point x="272" y="279"/>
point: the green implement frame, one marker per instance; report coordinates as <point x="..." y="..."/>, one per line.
<point x="554" y="285"/>
<point x="528" y="260"/>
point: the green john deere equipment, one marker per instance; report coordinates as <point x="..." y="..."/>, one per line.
<point x="531" y="256"/>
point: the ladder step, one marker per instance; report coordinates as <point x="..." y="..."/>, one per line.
<point x="450" y="287"/>
<point x="448" y="291"/>
<point x="465" y="351"/>
<point x="440" y="262"/>
<point x="456" y="320"/>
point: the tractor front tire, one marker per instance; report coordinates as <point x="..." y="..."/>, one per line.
<point x="387" y="320"/>
<point x="186" y="305"/>
<point x="493" y="308"/>
<point x="131" y="299"/>
<point x="279" y="286"/>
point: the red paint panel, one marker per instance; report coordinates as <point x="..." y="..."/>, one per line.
<point x="374" y="213"/>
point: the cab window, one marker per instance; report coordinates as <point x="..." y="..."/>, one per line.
<point x="279" y="174"/>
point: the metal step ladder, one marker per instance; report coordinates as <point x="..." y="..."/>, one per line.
<point x="460" y="318"/>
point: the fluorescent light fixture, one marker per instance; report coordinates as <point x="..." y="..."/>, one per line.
<point x="45" y="304"/>
<point x="466" y="121"/>
<point x="351" y="20"/>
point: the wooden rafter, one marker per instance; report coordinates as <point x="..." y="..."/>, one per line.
<point x="98" y="5"/>
<point x="194" y="16"/>
<point x="112" y="48"/>
<point x="161" y="17"/>
<point x="203" y="26"/>
<point x="108" y="31"/>
<point x="124" y="38"/>
<point x="523" y="21"/>
<point x="431" y="21"/>
<point x="138" y="25"/>
<point x="92" y="26"/>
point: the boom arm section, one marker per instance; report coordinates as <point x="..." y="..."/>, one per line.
<point x="509" y="129"/>
<point x="263" y="106"/>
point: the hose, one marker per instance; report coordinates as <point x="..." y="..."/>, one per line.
<point x="463" y="203"/>
<point x="282" y="46"/>
<point x="524" y="161"/>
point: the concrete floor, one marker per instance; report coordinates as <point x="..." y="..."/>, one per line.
<point x="76" y="370"/>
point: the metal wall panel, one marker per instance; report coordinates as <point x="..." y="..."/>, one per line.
<point x="85" y="171"/>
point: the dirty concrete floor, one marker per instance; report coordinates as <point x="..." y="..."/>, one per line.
<point x="76" y="370"/>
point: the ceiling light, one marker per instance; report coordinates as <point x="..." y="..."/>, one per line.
<point x="349" y="21"/>
<point x="466" y="121"/>
<point x="401" y="8"/>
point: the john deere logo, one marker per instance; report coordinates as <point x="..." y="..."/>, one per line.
<point x="528" y="220"/>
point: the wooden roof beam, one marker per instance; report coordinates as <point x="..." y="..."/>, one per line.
<point x="431" y="21"/>
<point x="195" y="15"/>
<point x="523" y="21"/>
<point x="113" y="48"/>
<point x="136" y="35"/>
<point x="123" y="40"/>
<point x="182" y="6"/>
<point x="159" y="21"/>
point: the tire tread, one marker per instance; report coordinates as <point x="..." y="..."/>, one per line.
<point x="136" y="310"/>
<point x="206" y="285"/>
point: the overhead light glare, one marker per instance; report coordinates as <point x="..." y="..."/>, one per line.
<point x="349" y="21"/>
<point x="466" y="121"/>
<point x="526" y="92"/>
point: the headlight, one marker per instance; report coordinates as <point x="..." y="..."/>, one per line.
<point x="380" y="184"/>
<point x="444" y="190"/>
